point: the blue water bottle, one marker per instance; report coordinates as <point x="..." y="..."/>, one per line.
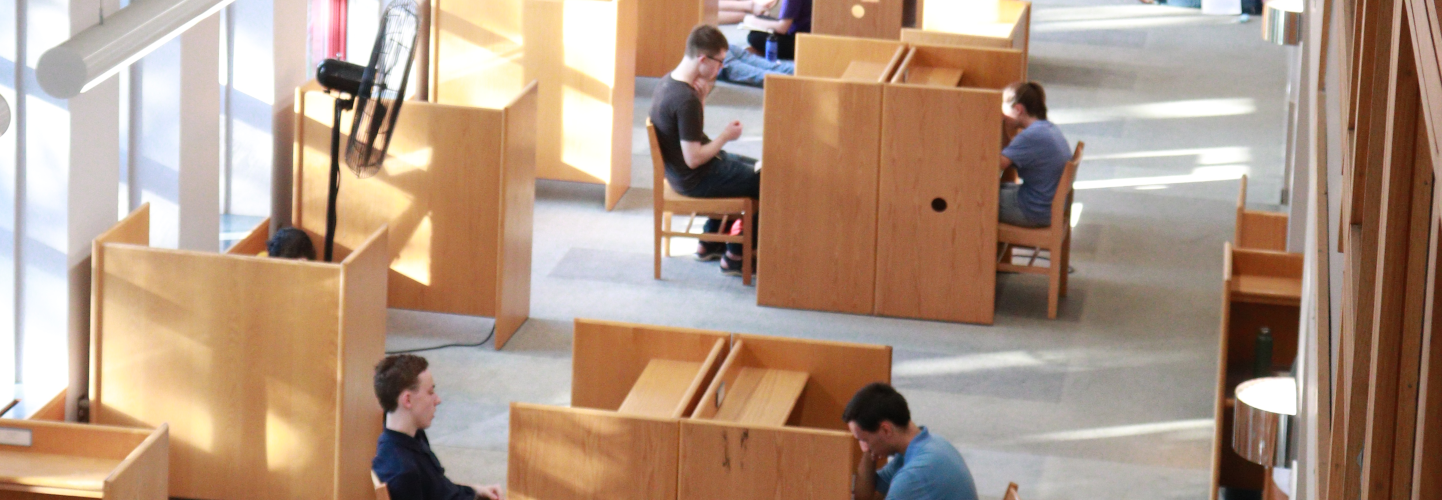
<point x="771" y="47"/>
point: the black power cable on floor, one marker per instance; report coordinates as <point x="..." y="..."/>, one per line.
<point x="423" y="349"/>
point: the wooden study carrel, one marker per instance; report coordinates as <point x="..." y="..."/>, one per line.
<point x="674" y="413"/>
<point x="260" y="366"/>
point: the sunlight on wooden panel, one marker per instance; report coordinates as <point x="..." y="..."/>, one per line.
<point x="588" y="33"/>
<point x="947" y="15"/>
<point x="414" y="259"/>
<point x="583" y="146"/>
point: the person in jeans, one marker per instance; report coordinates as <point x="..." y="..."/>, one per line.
<point x="750" y="69"/>
<point x="1039" y="152"/>
<point x="695" y="164"/>
<point x="795" y="18"/>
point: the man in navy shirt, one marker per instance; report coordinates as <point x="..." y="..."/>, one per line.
<point x="404" y="460"/>
<point x="1039" y="153"/>
<point x="922" y="466"/>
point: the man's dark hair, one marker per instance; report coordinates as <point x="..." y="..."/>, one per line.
<point x="1030" y="96"/>
<point x="396" y="374"/>
<point x="290" y="243"/>
<point x="876" y="403"/>
<point x="705" y="40"/>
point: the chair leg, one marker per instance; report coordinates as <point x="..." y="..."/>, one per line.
<point x="1053" y="290"/>
<point x="746" y="250"/>
<point x="666" y="226"/>
<point x="656" y="255"/>
<point x="1065" y="262"/>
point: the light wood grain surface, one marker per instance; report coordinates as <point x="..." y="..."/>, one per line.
<point x="476" y="52"/>
<point x="583" y="54"/>
<point x="836" y="370"/>
<point x="457" y="191"/>
<point x="829" y="56"/>
<point x="879" y="19"/>
<point x="573" y="453"/>
<point x="134" y="229"/>
<point x="864" y="71"/>
<point x="254" y="242"/>
<point x="722" y="460"/>
<point x="608" y="357"/>
<point x="931" y="76"/>
<point x="819" y="195"/>
<point x="661" y="30"/>
<point x="249" y="361"/>
<point x="1004" y="24"/>
<point x="88" y="461"/>
<point x="661" y="387"/>
<point x="759" y="396"/>
<point x="937" y="216"/>
<point x="982" y="67"/>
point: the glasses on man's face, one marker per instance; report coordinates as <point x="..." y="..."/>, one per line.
<point x="718" y="61"/>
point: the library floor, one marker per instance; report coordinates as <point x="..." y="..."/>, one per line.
<point x="1113" y="399"/>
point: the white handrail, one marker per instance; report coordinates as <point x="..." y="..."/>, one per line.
<point x="100" y="51"/>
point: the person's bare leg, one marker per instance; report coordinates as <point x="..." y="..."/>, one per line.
<point x="733" y="11"/>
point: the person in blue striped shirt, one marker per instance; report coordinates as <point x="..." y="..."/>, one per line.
<point x="922" y="466"/>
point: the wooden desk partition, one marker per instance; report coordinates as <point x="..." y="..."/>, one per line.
<point x="835" y="371"/>
<point x="937" y="214"/>
<point x="1258" y="229"/>
<point x="261" y="366"/>
<point x="608" y="358"/>
<point x="583" y="55"/>
<point x="828" y="56"/>
<point x="661" y="30"/>
<point x="67" y="460"/>
<point x="1005" y="24"/>
<point x="724" y="460"/>
<point x="1255" y="294"/>
<point x="859" y="18"/>
<point x="457" y="190"/>
<point x="981" y="68"/>
<point x="558" y="453"/>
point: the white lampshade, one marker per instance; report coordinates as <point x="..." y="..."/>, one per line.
<point x="1262" y="418"/>
<point x="4" y="115"/>
<point x="1282" y="22"/>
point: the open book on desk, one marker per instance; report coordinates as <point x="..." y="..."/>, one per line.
<point x="748" y="26"/>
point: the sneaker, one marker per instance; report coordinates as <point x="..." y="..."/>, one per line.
<point x="730" y="266"/>
<point x="707" y="252"/>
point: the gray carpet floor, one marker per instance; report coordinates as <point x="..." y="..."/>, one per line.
<point x="1113" y="399"/>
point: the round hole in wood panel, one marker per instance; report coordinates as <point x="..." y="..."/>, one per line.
<point x="938" y="205"/>
<point x="857" y="11"/>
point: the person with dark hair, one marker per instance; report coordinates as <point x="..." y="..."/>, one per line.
<point x="695" y="164"/>
<point x="795" y="18"/>
<point x="922" y="466"/>
<point x="1039" y="152"/>
<point x="404" y="460"/>
<point x="290" y="243"/>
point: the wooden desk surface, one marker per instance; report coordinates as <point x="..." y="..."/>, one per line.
<point x="762" y="396"/>
<point x="935" y="77"/>
<point x="661" y="388"/>
<point x="85" y="476"/>
<point x="864" y="71"/>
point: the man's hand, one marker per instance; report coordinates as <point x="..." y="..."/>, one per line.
<point x="732" y="131"/>
<point x="703" y="86"/>
<point x="490" y="492"/>
<point x="865" y="486"/>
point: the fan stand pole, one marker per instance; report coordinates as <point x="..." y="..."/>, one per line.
<point x="340" y="106"/>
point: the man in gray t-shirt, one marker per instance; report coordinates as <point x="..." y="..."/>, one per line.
<point x="1039" y="153"/>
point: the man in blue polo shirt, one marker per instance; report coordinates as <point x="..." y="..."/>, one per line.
<point x="922" y="466"/>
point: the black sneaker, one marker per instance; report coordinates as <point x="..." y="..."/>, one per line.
<point x="707" y="252"/>
<point x="730" y="266"/>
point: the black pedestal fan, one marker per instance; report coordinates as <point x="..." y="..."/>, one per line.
<point x="377" y="91"/>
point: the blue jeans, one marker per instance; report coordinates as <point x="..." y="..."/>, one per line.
<point x="750" y="69"/>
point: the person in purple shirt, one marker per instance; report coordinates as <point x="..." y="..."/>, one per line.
<point x="1039" y="153"/>
<point x="795" y="18"/>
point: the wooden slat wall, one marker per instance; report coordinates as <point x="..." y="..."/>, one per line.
<point x="1381" y="437"/>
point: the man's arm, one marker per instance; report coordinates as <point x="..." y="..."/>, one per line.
<point x="865" y="486"/>
<point x="698" y="154"/>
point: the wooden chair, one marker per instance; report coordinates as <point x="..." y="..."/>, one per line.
<point x="1055" y="239"/>
<point x="1011" y="493"/>
<point x="382" y="492"/>
<point x="668" y="202"/>
<point x="1257" y="229"/>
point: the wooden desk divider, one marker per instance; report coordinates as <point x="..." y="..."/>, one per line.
<point x="1005" y="24"/>
<point x="458" y="191"/>
<point x="869" y="176"/>
<point x="778" y="440"/>
<point x="974" y="67"/>
<point x="1258" y="229"/>
<point x="661" y="30"/>
<point x="65" y="460"/>
<point x="1261" y="288"/>
<point x="623" y="437"/>
<point x="882" y="19"/>
<point x="261" y="366"/>
<point x="583" y="55"/>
